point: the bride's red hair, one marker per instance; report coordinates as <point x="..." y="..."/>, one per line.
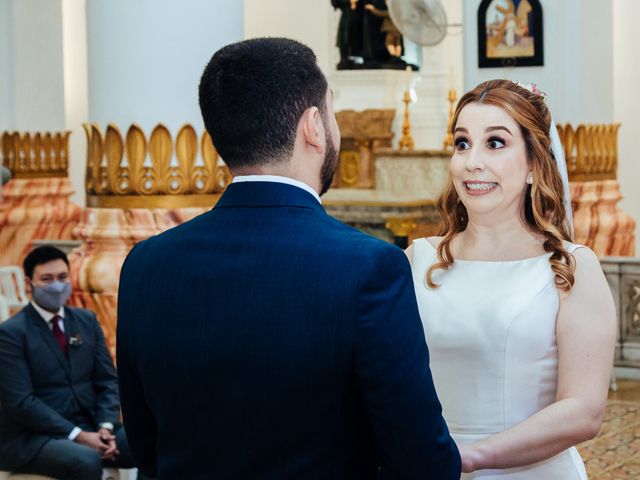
<point x="543" y="210"/>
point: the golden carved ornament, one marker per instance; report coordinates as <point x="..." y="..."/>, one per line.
<point x="401" y="227"/>
<point x="35" y="154"/>
<point x="447" y="144"/>
<point x="591" y="151"/>
<point x="349" y="167"/>
<point x="134" y="171"/>
<point x="361" y="134"/>
<point x="406" y="141"/>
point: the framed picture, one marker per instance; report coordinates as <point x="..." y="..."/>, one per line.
<point x="510" y="33"/>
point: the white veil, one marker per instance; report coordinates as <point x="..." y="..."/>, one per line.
<point x="558" y="153"/>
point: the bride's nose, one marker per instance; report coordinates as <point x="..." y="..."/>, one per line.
<point x="475" y="160"/>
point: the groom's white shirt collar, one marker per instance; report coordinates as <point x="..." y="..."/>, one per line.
<point x="277" y="179"/>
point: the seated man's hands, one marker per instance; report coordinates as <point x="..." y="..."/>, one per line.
<point x="102" y="441"/>
<point x="109" y="439"/>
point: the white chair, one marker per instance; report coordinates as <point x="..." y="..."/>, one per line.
<point x="110" y="474"/>
<point x="128" y="474"/>
<point x="4" y="309"/>
<point x="12" y="287"/>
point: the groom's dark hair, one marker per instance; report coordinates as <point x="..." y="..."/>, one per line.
<point x="252" y="95"/>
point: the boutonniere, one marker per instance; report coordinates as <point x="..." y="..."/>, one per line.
<point x="75" y="340"/>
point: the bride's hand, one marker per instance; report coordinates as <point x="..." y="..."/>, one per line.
<point x="468" y="455"/>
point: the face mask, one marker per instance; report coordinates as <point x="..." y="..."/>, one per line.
<point x="51" y="296"/>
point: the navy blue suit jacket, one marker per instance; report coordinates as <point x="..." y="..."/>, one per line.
<point x="265" y="339"/>
<point x="43" y="394"/>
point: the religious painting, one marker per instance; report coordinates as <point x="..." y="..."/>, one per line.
<point x="510" y="33"/>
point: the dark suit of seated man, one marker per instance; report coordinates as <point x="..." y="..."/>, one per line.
<point x="59" y="403"/>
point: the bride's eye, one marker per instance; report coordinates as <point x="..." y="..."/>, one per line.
<point x="461" y="143"/>
<point x="495" y="143"/>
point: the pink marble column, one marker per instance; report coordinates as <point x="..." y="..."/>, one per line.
<point x="34" y="209"/>
<point x="599" y="222"/>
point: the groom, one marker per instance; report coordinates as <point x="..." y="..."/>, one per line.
<point x="264" y="339"/>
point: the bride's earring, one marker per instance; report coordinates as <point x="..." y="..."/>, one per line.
<point x="530" y="179"/>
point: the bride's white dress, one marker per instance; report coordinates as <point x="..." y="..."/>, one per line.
<point x="490" y="328"/>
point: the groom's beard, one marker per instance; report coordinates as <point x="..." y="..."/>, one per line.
<point x="330" y="163"/>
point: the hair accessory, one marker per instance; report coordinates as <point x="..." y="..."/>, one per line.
<point x="532" y="87"/>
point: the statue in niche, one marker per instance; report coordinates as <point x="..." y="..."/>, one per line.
<point x="349" y="40"/>
<point x="393" y="37"/>
<point x="367" y="37"/>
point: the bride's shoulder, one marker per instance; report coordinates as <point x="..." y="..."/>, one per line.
<point x="572" y="247"/>
<point x="583" y="256"/>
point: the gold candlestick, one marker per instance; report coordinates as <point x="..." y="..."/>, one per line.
<point x="406" y="142"/>
<point x="448" y="138"/>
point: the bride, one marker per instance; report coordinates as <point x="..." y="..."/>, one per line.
<point x="519" y="321"/>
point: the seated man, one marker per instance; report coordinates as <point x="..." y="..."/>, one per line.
<point x="59" y="404"/>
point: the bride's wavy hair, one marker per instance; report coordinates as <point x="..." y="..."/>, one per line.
<point x="543" y="209"/>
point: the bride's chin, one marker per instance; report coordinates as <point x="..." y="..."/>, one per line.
<point x="474" y="211"/>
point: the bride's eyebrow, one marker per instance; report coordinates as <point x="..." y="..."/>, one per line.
<point x="460" y="129"/>
<point x="498" y="127"/>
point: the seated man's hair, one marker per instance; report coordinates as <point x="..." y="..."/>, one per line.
<point x="252" y="95"/>
<point x="40" y="256"/>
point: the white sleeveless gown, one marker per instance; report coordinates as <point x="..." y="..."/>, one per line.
<point x="490" y="328"/>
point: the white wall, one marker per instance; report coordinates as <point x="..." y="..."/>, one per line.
<point x="38" y="75"/>
<point x="146" y="57"/>
<point x="304" y="20"/>
<point x="453" y="46"/>
<point x="6" y="65"/>
<point x="76" y="97"/>
<point x="578" y="65"/>
<point x="627" y="103"/>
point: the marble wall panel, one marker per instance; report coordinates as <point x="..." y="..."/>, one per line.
<point x="599" y="222"/>
<point x="34" y="209"/>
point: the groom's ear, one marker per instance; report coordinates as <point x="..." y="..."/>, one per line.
<point x="313" y="129"/>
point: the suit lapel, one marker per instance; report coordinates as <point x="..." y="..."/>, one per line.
<point x="47" y="336"/>
<point x="71" y="330"/>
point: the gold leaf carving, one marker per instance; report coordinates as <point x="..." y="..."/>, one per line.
<point x="591" y="151"/>
<point x="136" y="150"/>
<point x="186" y="153"/>
<point x="114" y="150"/>
<point x="160" y="151"/>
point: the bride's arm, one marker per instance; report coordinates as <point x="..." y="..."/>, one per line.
<point x="585" y="333"/>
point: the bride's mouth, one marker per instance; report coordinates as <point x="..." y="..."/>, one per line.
<point x="480" y="188"/>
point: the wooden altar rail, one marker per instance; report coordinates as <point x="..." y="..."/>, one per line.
<point x="156" y="165"/>
<point x="35" y="154"/>
<point x="591" y="151"/>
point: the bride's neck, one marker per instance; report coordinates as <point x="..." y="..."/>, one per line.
<point x="503" y="235"/>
